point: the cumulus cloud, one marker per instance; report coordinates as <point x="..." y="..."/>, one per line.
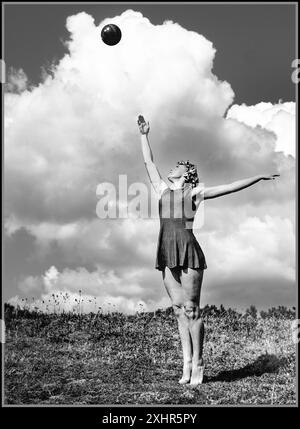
<point x="77" y="129"/>
<point x="279" y="118"/>
<point x="17" y="81"/>
<point x="80" y="290"/>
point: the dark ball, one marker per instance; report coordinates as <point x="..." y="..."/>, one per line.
<point x="111" y="34"/>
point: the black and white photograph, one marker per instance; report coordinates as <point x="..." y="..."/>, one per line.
<point x="149" y="207"/>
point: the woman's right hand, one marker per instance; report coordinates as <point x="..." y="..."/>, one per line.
<point x="270" y="176"/>
<point x="144" y="126"/>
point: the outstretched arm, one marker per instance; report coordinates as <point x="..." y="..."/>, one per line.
<point x="218" y="191"/>
<point x="154" y="175"/>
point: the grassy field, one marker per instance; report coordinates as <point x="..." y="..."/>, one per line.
<point x="118" y="359"/>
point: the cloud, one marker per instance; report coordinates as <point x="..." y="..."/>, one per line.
<point x="245" y="251"/>
<point x="17" y="81"/>
<point x="31" y="284"/>
<point x="79" y="303"/>
<point x="100" y="289"/>
<point x="77" y="129"/>
<point x="278" y="118"/>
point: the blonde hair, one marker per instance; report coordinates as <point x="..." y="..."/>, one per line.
<point x="191" y="175"/>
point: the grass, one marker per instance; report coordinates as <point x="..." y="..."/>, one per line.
<point x="117" y="359"/>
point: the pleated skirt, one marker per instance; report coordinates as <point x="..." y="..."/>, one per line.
<point x="178" y="247"/>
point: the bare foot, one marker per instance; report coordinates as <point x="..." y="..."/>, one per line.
<point x="186" y="374"/>
<point x="197" y="375"/>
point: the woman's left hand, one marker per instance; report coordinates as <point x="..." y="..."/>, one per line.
<point x="270" y="177"/>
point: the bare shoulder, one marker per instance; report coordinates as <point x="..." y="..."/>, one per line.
<point x="198" y="191"/>
<point x="162" y="187"/>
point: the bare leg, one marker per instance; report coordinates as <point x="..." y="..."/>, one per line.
<point x="191" y="280"/>
<point x="186" y="343"/>
<point x="175" y="292"/>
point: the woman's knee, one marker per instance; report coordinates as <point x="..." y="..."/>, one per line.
<point x="177" y="308"/>
<point x="192" y="310"/>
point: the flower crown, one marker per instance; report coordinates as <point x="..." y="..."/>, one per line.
<point x="191" y="176"/>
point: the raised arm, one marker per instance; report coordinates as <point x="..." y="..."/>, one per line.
<point x="155" y="178"/>
<point x="218" y="191"/>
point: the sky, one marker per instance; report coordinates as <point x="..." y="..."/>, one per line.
<point x="215" y="83"/>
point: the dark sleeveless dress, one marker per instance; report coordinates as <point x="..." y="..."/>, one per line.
<point x="177" y="246"/>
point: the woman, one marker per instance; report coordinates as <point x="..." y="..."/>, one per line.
<point x="179" y="255"/>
